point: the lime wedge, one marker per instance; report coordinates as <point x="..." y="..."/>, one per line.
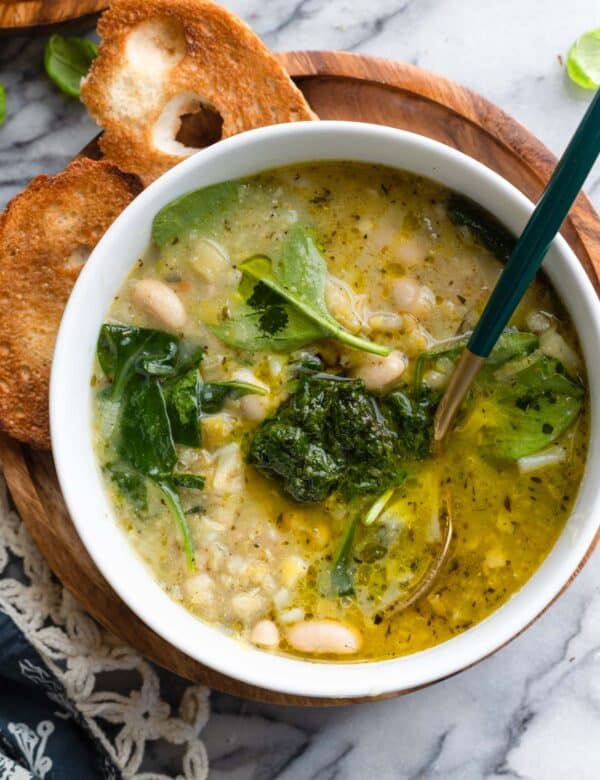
<point x="583" y="60"/>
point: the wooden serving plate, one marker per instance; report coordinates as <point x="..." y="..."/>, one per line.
<point x="338" y="86"/>
<point x="25" y="15"/>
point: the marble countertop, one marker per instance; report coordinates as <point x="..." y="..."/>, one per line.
<point x="532" y="711"/>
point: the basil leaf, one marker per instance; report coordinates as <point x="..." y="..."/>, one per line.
<point x="182" y="397"/>
<point x="67" y="62"/>
<point x="214" y="394"/>
<point x="124" y="350"/>
<point x="193" y="211"/>
<point x="145" y="438"/>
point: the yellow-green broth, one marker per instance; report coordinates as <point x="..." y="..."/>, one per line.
<point x="261" y="555"/>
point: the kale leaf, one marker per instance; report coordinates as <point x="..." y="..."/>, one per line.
<point x="485" y="228"/>
<point x="124" y="350"/>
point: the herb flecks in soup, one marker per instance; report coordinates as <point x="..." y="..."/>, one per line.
<point x="264" y="400"/>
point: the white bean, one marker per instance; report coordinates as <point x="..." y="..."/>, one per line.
<point x="323" y="636"/>
<point x="412" y="297"/>
<point x="254" y="406"/>
<point x="158" y="299"/>
<point x="265" y="634"/>
<point x="379" y="372"/>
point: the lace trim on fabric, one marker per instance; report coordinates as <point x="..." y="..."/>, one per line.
<point x="78" y="652"/>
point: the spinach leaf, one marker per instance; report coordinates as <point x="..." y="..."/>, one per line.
<point x="245" y="329"/>
<point x="193" y="211"/>
<point x="182" y="394"/>
<point x="341" y="577"/>
<point x="299" y="276"/>
<point x="67" y="61"/>
<point x="145" y="438"/>
<point x="484" y="227"/>
<point x="131" y="484"/>
<point x="214" y="394"/>
<point x="124" y="350"/>
<point x="174" y="504"/>
<point x="527" y="410"/>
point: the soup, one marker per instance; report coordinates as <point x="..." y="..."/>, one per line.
<point x="263" y="405"/>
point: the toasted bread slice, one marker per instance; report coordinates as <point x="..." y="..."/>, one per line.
<point x="46" y="234"/>
<point x="160" y="60"/>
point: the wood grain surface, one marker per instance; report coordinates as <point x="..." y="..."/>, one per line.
<point x="338" y="86"/>
<point x="23" y="15"/>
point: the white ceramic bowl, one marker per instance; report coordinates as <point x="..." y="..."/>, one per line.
<point x="70" y="410"/>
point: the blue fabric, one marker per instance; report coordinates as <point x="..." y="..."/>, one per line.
<point x="41" y="734"/>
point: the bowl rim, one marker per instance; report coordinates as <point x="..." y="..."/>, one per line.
<point x="79" y="475"/>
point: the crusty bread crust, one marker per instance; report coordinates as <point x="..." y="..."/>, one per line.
<point x="45" y="234"/>
<point x="209" y="53"/>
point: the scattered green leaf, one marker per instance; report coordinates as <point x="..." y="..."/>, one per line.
<point x="341" y="578"/>
<point x="67" y="62"/>
<point x="583" y="60"/>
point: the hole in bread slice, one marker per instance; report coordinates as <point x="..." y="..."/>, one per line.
<point x="185" y="125"/>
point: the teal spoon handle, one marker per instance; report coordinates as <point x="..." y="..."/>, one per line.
<point x="543" y="225"/>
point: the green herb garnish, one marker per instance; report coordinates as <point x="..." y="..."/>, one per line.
<point x="67" y="62"/>
<point x="283" y="302"/>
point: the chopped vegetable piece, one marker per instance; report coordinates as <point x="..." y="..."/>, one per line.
<point x="378" y="507"/>
<point x="583" y="60"/>
<point x="67" y="62"/>
<point x="341" y="578"/>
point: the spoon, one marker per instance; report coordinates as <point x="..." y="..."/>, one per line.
<point x="543" y="225"/>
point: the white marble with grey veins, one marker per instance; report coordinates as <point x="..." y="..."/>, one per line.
<point x="532" y="711"/>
